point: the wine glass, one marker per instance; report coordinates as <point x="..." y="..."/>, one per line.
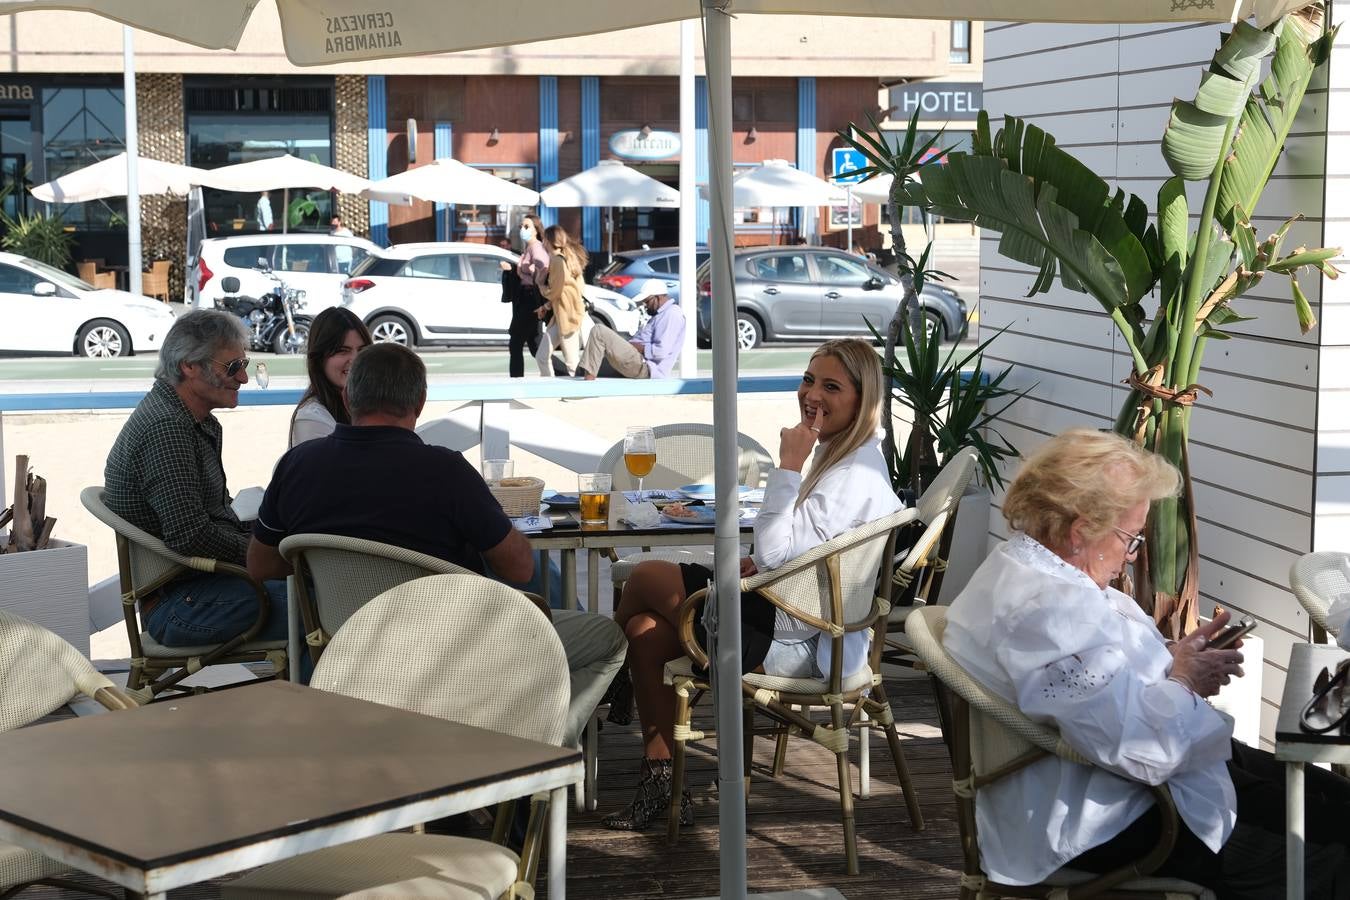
<point x="639" y="454"/>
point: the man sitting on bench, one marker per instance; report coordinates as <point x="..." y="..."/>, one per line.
<point x="652" y="352"/>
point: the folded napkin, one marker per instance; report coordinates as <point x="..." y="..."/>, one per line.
<point x="532" y="523"/>
<point x="641" y="515"/>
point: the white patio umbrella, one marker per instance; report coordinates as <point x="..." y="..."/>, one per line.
<point x="777" y="182"/>
<point x="108" y="178"/>
<point x="451" y="181"/>
<point x="342" y="30"/>
<point x="876" y="189"/>
<point x="610" y="184"/>
<point x="282" y="173"/>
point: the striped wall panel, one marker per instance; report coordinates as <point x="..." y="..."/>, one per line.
<point x="1271" y="450"/>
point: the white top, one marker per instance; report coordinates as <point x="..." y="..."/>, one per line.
<point x="1039" y="633"/>
<point x="856" y="491"/>
<point x="263" y="213"/>
<point x="312" y="420"/>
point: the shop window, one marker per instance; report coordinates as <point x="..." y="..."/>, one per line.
<point x="494" y="221"/>
<point x="229" y="123"/>
<point x="764" y="105"/>
<point x="80" y="127"/>
<point x="960" y="51"/>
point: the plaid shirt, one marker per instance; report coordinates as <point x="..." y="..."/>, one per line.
<point x="164" y="475"/>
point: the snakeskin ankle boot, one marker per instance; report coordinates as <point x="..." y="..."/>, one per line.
<point x="651" y="800"/>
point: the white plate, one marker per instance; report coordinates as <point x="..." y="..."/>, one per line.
<point x="708" y="492"/>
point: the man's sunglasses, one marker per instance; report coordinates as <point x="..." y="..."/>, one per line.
<point x="234" y="366"/>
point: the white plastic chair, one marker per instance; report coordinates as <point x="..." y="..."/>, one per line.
<point x="459" y="647"/>
<point x="1318" y="580"/>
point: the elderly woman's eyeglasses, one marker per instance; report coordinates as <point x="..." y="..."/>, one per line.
<point x="1132" y="541"/>
<point x="234" y="366"/>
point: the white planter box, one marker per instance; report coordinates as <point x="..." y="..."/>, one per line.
<point x="1241" y="697"/>
<point x="970" y="543"/>
<point x="50" y="587"/>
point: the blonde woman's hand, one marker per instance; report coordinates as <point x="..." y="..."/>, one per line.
<point x="795" y="443"/>
<point x="1202" y="670"/>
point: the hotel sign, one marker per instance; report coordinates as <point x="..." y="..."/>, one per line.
<point x="656" y="145"/>
<point x="959" y="101"/>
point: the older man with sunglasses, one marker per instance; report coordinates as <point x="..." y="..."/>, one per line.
<point x="164" y="475"/>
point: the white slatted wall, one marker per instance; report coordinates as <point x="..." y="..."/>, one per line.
<point x="1104" y="93"/>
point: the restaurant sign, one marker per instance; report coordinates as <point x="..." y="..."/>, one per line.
<point x="16" y="91"/>
<point x="656" y="145"/>
<point x="949" y="100"/>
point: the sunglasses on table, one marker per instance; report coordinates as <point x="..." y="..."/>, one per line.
<point x="1328" y="709"/>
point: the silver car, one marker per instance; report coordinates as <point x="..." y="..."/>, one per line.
<point x="809" y="293"/>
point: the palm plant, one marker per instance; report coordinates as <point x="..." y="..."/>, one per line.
<point x="903" y="163"/>
<point x="1057" y="215"/>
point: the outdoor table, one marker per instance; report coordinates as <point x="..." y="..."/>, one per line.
<point x="568" y="536"/>
<point x="191" y="789"/>
<point x="1296" y="747"/>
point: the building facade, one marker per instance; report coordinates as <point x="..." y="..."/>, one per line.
<point x="533" y="113"/>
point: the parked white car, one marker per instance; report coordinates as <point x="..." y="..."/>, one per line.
<point x="317" y="264"/>
<point x="45" y="310"/>
<point x="443" y="292"/>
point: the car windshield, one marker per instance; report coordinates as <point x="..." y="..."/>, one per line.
<point x="617" y="264"/>
<point x="56" y="276"/>
<point x="377" y="265"/>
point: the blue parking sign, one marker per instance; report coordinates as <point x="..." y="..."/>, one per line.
<point x="845" y="160"/>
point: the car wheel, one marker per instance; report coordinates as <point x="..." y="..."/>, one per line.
<point x="391" y="330"/>
<point x="933" y="327"/>
<point x="286" y="344"/>
<point x="749" y="335"/>
<point x="103" y="339"/>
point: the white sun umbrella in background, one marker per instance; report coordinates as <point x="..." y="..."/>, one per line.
<point x="412" y="27"/>
<point x="108" y="178"/>
<point x="777" y="182"/>
<point x="451" y="181"/>
<point x="282" y="173"/>
<point x="610" y="184"/>
<point x="876" y="189"/>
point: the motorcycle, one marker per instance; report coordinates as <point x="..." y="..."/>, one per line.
<point x="273" y="320"/>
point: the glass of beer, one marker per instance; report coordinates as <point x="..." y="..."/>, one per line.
<point x="639" y="454"/>
<point x="594" y="489"/>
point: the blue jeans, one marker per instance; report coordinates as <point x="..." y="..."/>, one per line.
<point x="211" y="609"/>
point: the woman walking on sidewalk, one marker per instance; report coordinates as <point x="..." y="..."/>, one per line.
<point x="562" y="290"/>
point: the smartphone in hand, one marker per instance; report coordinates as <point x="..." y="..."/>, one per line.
<point x="1231" y="634"/>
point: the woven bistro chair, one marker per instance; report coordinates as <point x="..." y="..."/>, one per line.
<point x="41" y="673"/>
<point x="105" y="281"/>
<point x="86" y="269"/>
<point x="459" y="647"/>
<point x="155" y="282"/>
<point x="144" y="565"/>
<point x="989" y="739"/>
<point x="925" y="562"/>
<point x="684" y="455"/>
<point x="1318" y="579"/>
<point x="841" y="586"/>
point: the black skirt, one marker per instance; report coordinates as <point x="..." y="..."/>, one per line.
<point x="757" y="619"/>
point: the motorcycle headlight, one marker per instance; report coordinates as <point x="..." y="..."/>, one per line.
<point x="256" y="316"/>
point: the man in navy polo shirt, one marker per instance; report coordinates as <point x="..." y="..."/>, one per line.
<point x="376" y="479"/>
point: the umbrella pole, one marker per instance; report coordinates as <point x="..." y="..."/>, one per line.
<point x="285" y="209"/>
<point x="134" y="260"/>
<point x="849" y="213"/>
<point x="726" y="677"/>
<point x="688" y="202"/>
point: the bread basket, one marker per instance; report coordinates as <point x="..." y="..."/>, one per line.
<point x="519" y="496"/>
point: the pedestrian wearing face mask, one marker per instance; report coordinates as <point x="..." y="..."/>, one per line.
<point x="653" y="351"/>
<point x="533" y="271"/>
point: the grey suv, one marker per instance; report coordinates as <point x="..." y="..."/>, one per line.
<point x="808" y="293"/>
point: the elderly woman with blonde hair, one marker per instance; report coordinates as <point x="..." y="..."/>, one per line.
<point x="1040" y="625"/>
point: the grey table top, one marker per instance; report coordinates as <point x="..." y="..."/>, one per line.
<point x="188" y="778"/>
<point x="1305" y="661"/>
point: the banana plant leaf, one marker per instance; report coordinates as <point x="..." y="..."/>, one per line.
<point x="1052" y="212"/>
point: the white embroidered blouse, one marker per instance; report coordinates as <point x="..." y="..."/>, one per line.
<point x="1041" y="634"/>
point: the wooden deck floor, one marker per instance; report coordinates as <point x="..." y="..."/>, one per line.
<point x="794" y="837"/>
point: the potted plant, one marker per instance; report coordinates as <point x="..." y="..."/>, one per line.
<point x="1057" y="215"/>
